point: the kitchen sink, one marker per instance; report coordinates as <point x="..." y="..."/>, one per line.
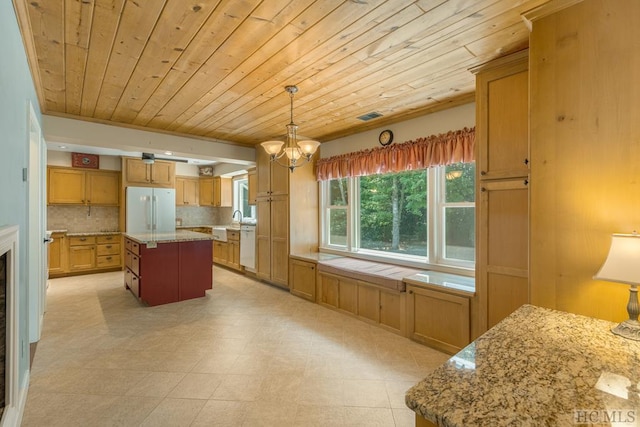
<point x="219" y="233"/>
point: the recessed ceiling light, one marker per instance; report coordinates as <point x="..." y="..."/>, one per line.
<point x="62" y="146"/>
<point x="168" y="153"/>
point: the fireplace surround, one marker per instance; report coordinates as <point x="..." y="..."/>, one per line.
<point x="9" y="344"/>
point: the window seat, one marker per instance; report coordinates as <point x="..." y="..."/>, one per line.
<point x="385" y="275"/>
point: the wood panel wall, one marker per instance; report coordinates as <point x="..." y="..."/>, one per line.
<point x="585" y="151"/>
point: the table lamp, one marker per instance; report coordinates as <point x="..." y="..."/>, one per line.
<point x="623" y="265"/>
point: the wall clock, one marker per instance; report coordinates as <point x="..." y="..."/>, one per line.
<point x="385" y="138"/>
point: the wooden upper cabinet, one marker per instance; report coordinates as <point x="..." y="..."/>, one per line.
<point x="68" y="186"/>
<point x="187" y="191"/>
<point x="216" y="191"/>
<point x="158" y="174"/>
<point x="273" y="179"/>
<point x="502" y="122"/>
<point x="252" y="183"/>
<point x="102" y="188"/>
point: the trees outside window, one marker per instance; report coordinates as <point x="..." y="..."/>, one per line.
<point x="418" y="216"/>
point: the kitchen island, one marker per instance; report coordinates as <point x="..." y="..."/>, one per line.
<point x="538" y="367"/>
<point x="162" y="268"/>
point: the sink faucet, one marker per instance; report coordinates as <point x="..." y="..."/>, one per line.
<point x="233" y="215"/>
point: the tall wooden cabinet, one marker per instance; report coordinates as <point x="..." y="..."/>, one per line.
<point x="216" y="191"/>
<point x="502" y="144"/>
<point x="287" y="209"/>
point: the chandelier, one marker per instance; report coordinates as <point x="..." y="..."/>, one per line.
<point x="293" y="149"/>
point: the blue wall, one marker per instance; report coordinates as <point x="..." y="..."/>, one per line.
<point x="16" y="91"/>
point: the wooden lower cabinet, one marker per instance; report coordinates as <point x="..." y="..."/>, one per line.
<point x="69" y="255"/>
<point x="438" y="319"/>
<point x="372" y="303"/>
<point x="228" y="253"/>
<point x="302" y="279"/>
<point x="220" y="252"/>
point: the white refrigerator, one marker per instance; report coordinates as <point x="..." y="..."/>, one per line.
<point x="151" y="210"/>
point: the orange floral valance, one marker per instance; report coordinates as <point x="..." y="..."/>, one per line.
<point x="435" y="150"/>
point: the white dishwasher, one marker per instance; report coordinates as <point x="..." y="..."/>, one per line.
<point x="248" y="247"/>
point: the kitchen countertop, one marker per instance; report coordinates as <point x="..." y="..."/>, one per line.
<point x="537" y="367"/>
<point x="453" y="283"/>
<point x="170" y="237"/>
<point x="93" y="233"/>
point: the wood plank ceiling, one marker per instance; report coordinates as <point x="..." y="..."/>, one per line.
<point x="217" y="68"/>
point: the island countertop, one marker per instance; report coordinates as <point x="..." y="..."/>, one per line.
<point x="537" y="367"/>
<point x="170" y="237"/>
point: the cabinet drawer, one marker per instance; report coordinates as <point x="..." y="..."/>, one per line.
<point x="135" y="264"/>
<point x="79" y="241"/>
<point x="108" y="239"/>
<point x="135" y="247"/>
<point x="109" y="249"/>
<point x="233" y="235"/>
<point x="108" y="261"/>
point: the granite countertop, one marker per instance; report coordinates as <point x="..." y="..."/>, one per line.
<point x="170" y="237"/>
<point x="537" y="367"/>
<point x="453" y="283"/>
<point x="93" y="233"/>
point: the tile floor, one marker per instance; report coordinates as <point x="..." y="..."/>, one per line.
<point x="246" y="354"/>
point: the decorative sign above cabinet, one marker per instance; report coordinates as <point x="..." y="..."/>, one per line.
<point x="81" y="160"/>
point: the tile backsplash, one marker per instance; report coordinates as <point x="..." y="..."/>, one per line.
<point x="82" y="219"/>
<point x="203" y="215"/>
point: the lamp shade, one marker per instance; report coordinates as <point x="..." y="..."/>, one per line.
<point x="623" y="262"/>
<point x="308" y="146"/>
<point x="272" y="147"/>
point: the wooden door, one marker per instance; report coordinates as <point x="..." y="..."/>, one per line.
<point x="263" y="239"/>
<point x="137" y="171"/>
<point x="391" y="311"/>
<point x="206" y="191"/>
<point x="252" y="183"/>
<point x="163" y="173"/>
<point x="503" y="247"/>
<point x="82" y="257"/>
<point x="369" y="303"/>
<point x="279" y="240"/>
<point x="191" y="191"/>
<point x="103" y="188"/>
<point x="263" y="171"/>
<point x="329" y="290"/>
<point x="279" y="179"/>
<point x="66" y="186"/>
<point x="348" y="295"/>
<point x="503" y="118"/>
<point x="302" y="279"/>
<point x="57" y="254"/>
<point x="233" y="259"/>
<point x="438" y="319"/>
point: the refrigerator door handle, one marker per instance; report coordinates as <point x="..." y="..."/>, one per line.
<point x="149" y="212"/>
<point x="155" y="212"/>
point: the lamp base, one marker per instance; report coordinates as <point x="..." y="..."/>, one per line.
<point x="629" y="329"/>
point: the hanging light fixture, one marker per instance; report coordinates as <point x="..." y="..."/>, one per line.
<point x="293" y="149"/>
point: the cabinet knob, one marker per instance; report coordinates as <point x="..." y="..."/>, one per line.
<point x="109" y="258"/>
<point x="483" y="189"/>
<point x="84" y="239"/>
<point x="108" y="246"/>
<point x="410" y="291"/>
<point x="526" y="161"/>
<point x="88" y="201"/>
<point x="526" y="182"/>
<point x="483" y="173"/>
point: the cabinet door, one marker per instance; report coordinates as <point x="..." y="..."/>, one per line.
<point x="391" y="311"/>
<point x="503" y="247"/>
<point x="348" y="295"/>
<point x="302" y="279"/>
<point x="220" y="252"/>
<point x="191" y="192"/>
<point x="280" y="240"/>
<point x="263" y="239"/>
<point x="263" y="171"/>
<point x="163" y="173"/>
<point x="103" y="188"/>
<point x="57" y="254"/>
<point x="329" y="290"/>
<point x="369" y="303"/>
<point x="137" y="171"/>
<point x="234" y="254"/>
<point x="438" y="319"/>
<point x="279" y="179"/>
<point x="82" y="257"/>
<point x="503" y="120"/>
<point x="222" y="192"/>
<point x="252" y="183"/>
<point x="66" y="186"/>
<point x="206" y="191"/>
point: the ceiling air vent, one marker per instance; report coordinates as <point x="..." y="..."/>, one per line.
<point x="370" y="116"/>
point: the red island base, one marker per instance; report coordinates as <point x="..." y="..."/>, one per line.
<point x="162" y="273"/>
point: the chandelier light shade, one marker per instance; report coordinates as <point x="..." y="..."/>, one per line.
<point x="291" y="150"/>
